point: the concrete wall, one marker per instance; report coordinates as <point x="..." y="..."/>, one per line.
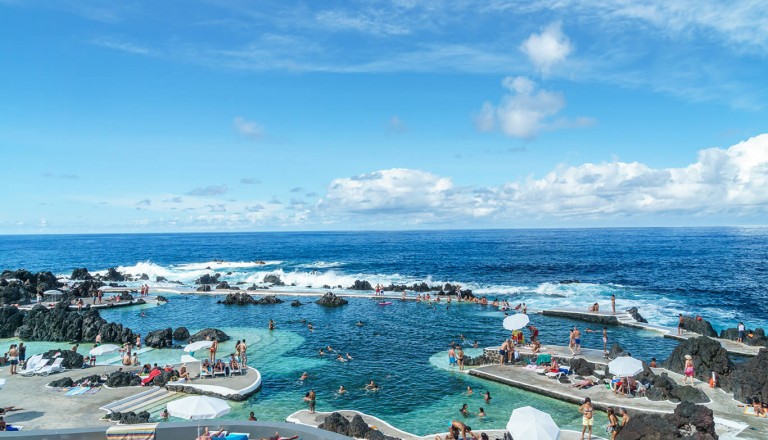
<point x="186" y="431"/>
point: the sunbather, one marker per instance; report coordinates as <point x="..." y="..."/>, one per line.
<point x="184" y="373"/>
<point x="586" y="383"/>
<point x="554" y="367"/>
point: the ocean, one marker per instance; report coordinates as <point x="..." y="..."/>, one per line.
<point x="718" y="273"/>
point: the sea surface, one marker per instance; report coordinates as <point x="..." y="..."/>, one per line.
<point x="718" y="273"/>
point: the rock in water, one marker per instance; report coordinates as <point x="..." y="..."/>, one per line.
<point x="209" y="334"/>
<point x="81" y="274"/>
<point x="636" y="314"/>
<point x="223" y="286"/>
<point x="361" y="285"/>
<point x="269" y="299"/>
<point x="181" y="334"/>
<point x="296" y="303"/>
<point x="239" y="299"/>
<point x="274" y="279"/>
<point x="708" y="356"/>
<point x="208" y="279"/>
<point x="757" y="339"/>
<point x="159" y="338"/>
<point x="689" y="421"/>
<point x="331" y="300"/>
<point x="113" y="275"/>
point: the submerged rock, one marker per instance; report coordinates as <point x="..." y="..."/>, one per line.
<point x="331" y="300"/>
<point x="296" y="303"/>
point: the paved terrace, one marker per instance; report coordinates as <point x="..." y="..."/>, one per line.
<point x="625" y="319"/>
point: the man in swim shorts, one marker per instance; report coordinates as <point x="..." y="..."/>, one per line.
<point x="451" y="357"/>
<point x="576" y="340"/>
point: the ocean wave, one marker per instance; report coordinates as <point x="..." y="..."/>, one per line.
<point x="215" y="265"/>
<point x="321" y="265"/>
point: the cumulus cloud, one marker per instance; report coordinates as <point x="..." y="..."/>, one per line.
<point x="732" y="181"/>
<point x="525" y="110"/>
<point x="249" y="129"/>
<point x="547" y="48"/>
<point x="212" y="190"/>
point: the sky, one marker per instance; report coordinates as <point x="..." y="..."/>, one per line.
<point x="235" y="115"/>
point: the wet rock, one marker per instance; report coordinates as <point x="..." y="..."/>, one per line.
<point x="757" y="337"/>
<point x="208" y="279"/>
<point x="269" y="299"/>
<point x="702" y="327"/>
<point x="239" y="299"/>
<point x="708" y="356"/>
<point x="113" y="275"/>
<point x="636" y="314"/>
<point x="129" y="418"/>
<point x="274" y="279"/>
<point x="181" y="334"/>
<point x="361" y="285"/>
<point x="64" y="382"/>
<point x="253" y="287"/>
<point x="616" y="351"/>
<point x="223" y="286"/>
<point x="749" y="380"/>
<point x="569" y="281"/>
<point x="11" y="318"/>
<point x="204" y="288"/>
<point x="144" y="277"/>
<point x="161" y="298"/>
<point x="209" y="334"/>
<point x="72" y="359"/>
<point x="296" y="303"/>
<point x="120" y="379"/>
<point x="159" y="338"/>
<point x="161" y="279"/>
<point x="331" y="300"/>
<point x="582" y="367"/>
<point x="81" y="274"/>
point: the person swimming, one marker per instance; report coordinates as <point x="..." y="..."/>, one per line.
<point x="469" y="390"/>
<point x="349" y="358"/>
<point x="342" y="390"/>
<point x="487" y="397"/>
<point x="372" y="386"/>
<point x="304" y="376"/>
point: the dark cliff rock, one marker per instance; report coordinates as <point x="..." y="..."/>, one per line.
<point x="181" y="334"/>
<point x="664" y="388"/>
<point x="708" y="356"/>
<point x="81" y="274"/>
<point x="209" y="334"/>
<point x="269" y="299"/>
<point x="702" y="327"/>
<point x="72" y="359"/>
<point x="749" y="380"/>
<point x="85" y="288"/>
<point x="114" y="275"/>
<point x="331" y="300"/>
<point x="757" y="337"/>
<point x="159" y="338"/>
<point x="636" y="314"/>
<point x="582" y="367"/>
<point x="689" y="421"/>
<point x="11" y="318"/>
<point x="361" y="285"/>
<point x="21" y="286"/>
<point x="223" y="286"/>
<point x="208" y="279"/>
<point x="239" y="299"/>
<point x="616" y="351"/>
<point x="204" y="288"/>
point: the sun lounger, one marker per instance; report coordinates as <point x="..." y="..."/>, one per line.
<point x="32" y="369"/>
<point x="239" y="370"/>
<point x="557" y="375"/>
<point x="219" y="373"/>
<point x="55" y="367"/>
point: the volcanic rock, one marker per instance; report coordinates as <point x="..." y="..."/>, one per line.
<point x="159" y="338"/>
<point x="113" y="275"/>
<point x="64" y="382"/>
<point x="361" y="285"/>
<point x="129" y="418"/>
<point x="582" y="367"/>
<point x="161" y="279"/>
<point x="274" y="279"/>
<point x="72" y="359"/>
<point x="239" y="299"/>
<point x="269" y="299"/>
<point x="204" y="288"/>
<point x="749" y="380"/>
<point x="757" y="339"/>
<point x="123" y="379"/>
<point x="689" y="421"/>
<point x="616" y="351"/>
<point x="636" y="314"/>
<point x="81" y="274"/>
<point x="335" y="423"/>
<point x="181" y="334"/>
<point x="708" y="356"/>
<point x="222" y="286"/>
<point x="331" y="300"/>
<point x="296" y="303"/>
<point x="702" y="327"/>
<point x="208" y="279"/>
<point x="209" y="334"/>
<point x="357" y="427"/>
<point x="144" y="277"/>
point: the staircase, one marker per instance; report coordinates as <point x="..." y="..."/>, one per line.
<point x="151" y="401"/>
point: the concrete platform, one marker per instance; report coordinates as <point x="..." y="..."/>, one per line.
<point x="237" y="387"/>
<point x="625" y="319"/>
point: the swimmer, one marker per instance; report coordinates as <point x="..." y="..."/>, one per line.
<point x="359" y="323"/>
<point x="469" y="391"/>
<point x="487" y="397"/>
<point x="271" y="324"/>
<point x="372" y="386"/>
<point x="329" y="349"/>
<point x="340" y="358"/>
<point x="304" y="376"/>
<point x="481" y="414"/>
<point x="349" y="358"/>
<point x="342" y="390"/>
<point x="321" y="353"/>
<point x="475" y="344"/>
<point x="464" y="410"/>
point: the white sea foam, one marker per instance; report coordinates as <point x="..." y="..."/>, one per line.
<point x="216" y="265"/>
<point x="321" y="265"/>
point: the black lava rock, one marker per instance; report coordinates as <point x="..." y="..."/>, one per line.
<point x="239" y="299"/>
<point x="209" y="334"/>
<point x="181" y="334"/>
<point x="274" y="279"/>
<point x="81" y="274"/>
<point x="269" y="299"/>
<point x="159" y="338"/>
<point x="331" y="300"/>
<point x="361" y="285"/>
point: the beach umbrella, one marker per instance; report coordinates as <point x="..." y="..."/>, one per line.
<point x="199" y="345"/>
<point x="625" y="366"/>
<point x="516" y="321"/>
<point x="101" y="350"/>
<point x="198" y="408"/>
<point x="53" y="292"/>
<point x="528" y="423"/>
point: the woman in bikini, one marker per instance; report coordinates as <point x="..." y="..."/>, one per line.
<point x="689" y="370"/>
<point x="587" y="412"/>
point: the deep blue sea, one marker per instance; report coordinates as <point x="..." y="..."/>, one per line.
<point x="718" y="273"/>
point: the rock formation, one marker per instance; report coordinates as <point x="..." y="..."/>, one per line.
<point x="159" y="338"/>
<point x="181" y="334"/>
<point x="81" y="274"/>
<point x="122" y="379"/>
<point x="209" y="334"/>
<point x="274" y="279"/>
<point x="240" y="299"/>
<point x="636" y="314"/>
<point x="269" y="299"/>
<point x="208" y="279"/>
<point x="331" y="300"/>
<point x="72" y="359"/>
<point x="700" y="326"/>
<point x="689" y="421"/>
<point x="361" y="285"/>
<point x="708" y="356"/>
<point x="757" y="337"/>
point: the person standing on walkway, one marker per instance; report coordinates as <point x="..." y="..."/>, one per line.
<point x="680" y="324"/>
<point x="460" y="357"/>
<point x="689" y="370"/>
<point x="605" y="340"/>
<point x="576" y="340"/>
<point x="742" y="331"/>
<point x="587" y="413"/>
<point x="212" y="350"/>
<point x="613" y="303"/>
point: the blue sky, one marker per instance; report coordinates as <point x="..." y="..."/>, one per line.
<point x="285" y="115"/>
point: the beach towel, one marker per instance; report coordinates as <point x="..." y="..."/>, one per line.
<point x="132" y="432"/>
<point x="152" y="375"/>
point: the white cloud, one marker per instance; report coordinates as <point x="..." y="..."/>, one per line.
<point x="250" y="129"/>
<point x="122" y="46"/>
<point x="525" y="110"/>
<point x="548" y="48"/>
<point x="212" y="190"/>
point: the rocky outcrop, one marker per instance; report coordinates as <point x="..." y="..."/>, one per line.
<point x="181" y="334"/>
<point x="159" y="338"/>
<point x="66" y="382"/>
<point x="223" y="286"/>
<point x="21" y="286"/>
<point x="81" y="274"/>
<point x="239" y="299"/>
<point x="754" y="337"/>
<point x="208" y="279"/>
<point x="361" y="285"/>
<point x="750" y="380"/>
<point x="636" y="314"/>
<point x="616" y="351"/>
<point x="161" y="298"/>
<point x="582" y="367"/>
<point x="252" y="287"/>
<point x="85" y="288"/>
<point x="129" y="418"/>
<point x="11" y="318"/>
<point x="664" y="388"/>
<point x="204" y="288"/>
<point x="72" y="359"/>
<point x="296" y="303"/>
<point x="113" y="275"/>
<point x="209" y="334"/>
<point x="269" y="299"/>
<point x="331" y="300"/>
<point x="700" y="326"/>
<point x="708" y="356"/>
<point x="335" y="423"/>
<point x="61" y="324"/>
<point x="163" y="378"/>
<point x="274" y="279"/>
<point x="689" y="421"/>
<point x="357" y="428"/>
<point x="160" y="279"/>
<point x="123" y="379"/>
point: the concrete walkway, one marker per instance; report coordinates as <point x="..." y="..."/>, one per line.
<point x="625" y="319"/>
